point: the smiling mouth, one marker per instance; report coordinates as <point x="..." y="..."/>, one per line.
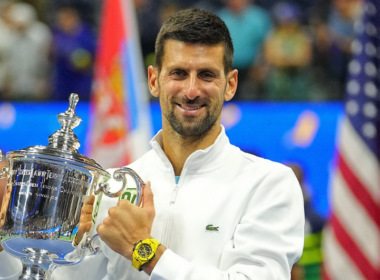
<point x="192" y="107"/>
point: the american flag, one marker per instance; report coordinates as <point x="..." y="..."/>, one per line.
<point x="352" y="237"/>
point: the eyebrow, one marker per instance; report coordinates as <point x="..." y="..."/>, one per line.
<point x="203" y="69"/>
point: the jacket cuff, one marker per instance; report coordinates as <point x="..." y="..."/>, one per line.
<point x="169" y="266"/>
<point x="11" y="267"/>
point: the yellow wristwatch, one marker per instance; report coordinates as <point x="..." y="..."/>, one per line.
<point x="143" y="252"/>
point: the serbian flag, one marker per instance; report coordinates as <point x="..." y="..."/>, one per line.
<point x="120" y="127"/>
<point x="352" y="237"/>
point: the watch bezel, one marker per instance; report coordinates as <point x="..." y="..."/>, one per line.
<point x="137" y="250"/>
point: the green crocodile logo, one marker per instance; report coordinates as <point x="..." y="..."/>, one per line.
<point x="212" y="228"/>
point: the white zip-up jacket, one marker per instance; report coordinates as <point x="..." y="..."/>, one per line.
<point x="232" y="215"/>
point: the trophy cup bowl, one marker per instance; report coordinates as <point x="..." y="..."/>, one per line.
<point x="46" y="189"/>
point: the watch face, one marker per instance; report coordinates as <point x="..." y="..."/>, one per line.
<point x="144" y="250"/>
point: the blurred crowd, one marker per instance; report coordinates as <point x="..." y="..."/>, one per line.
<point x="45" y="59"/>
<point x="285" y="50"/>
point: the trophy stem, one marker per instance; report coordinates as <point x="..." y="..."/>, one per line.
<point x="32" y="272"/>
<point x="37" y="266"/>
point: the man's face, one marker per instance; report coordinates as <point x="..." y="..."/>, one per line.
<point x="192" y="87"/>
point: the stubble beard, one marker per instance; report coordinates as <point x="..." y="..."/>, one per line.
<point x="193" y="127"/>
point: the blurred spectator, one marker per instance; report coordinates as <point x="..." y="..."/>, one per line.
<point x="73" y="52"/>
<point x="89" y="10"/>
<point x="209" y="5"/>
<point x="312" y="258"/>
<point x="249" y="25"/>
<point x="288" y="51"/>
<point x="26" y="64"/>
<point x="166" y="10"/>
<point x="306" y="6"/>
<point x="341" y="34"/>
<point x="5" y="43"/>
<point x="326" y="88"/>
<point x="148" y="20"/>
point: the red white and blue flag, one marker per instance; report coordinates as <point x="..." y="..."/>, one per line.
<point x="352" y="237"/>
<point x="120" y="123"/>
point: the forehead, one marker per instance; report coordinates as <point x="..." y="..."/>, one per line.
<point x="192" y="55"/>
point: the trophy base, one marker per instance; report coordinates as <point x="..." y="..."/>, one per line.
<point x="56" y="251"/>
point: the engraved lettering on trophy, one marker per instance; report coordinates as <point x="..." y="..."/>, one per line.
<point x="79" y="180"/>
<point x="32" y="185"/>
<point x="46" y="196"/>
<point x="39" y="173"/>
<point x="53" y="188"/>
<point x="48" y="174"/>
<point x="52" y="175"/>
<point x="25" y="172"/>
<point x="25" y="193"/>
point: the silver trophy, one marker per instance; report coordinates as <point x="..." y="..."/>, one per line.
<point x="46" y="189"/>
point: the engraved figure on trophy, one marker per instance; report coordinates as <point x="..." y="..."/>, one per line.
<point x="46" y="189"/>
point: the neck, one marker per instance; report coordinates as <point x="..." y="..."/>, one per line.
<point x="178" y="148"/>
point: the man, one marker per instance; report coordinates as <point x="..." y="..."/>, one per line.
<point x="217" y="213"/>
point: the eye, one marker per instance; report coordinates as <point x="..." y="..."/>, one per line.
<point x="206" y="75"/>
<point x="178" y="73"/>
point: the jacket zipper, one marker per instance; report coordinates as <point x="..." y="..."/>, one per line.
<point x="169" y="217"/>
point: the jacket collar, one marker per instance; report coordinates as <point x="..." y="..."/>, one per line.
<point x="209" y="158"/>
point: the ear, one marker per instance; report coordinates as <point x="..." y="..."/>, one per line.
<point x="153" y="81"/>
<point x="232" y="82"/>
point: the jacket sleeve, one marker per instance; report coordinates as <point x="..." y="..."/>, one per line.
<point x="10" y="267"/>
<point x="266" y="243"/>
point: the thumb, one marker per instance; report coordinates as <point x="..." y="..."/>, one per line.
<point x="148" y="202"/>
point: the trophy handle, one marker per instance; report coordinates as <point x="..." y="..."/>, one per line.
<point x="120" y="175"/>
<point x="89" y="244"/>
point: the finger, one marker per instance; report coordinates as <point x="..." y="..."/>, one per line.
<point x="87" y="226"/>
<point x="1" y="220"/>
<point x="79" y="234"/>
<point x="85" y="218"/>
<point x="100" y="229"/>
<point x="87" y="209"/>
<point x="84" y="227"/>
<point x="123" y="203"/>
<point x="148" y="202"/>
<point x="89" y="200"/>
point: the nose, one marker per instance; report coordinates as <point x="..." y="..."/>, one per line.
<point x="192" y="87"/>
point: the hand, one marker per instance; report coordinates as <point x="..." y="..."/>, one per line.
<point x="4" y="205"/>
<point x="3" y="208"/>
<point x="127" y="224"/>
<point x="85" y="222"/>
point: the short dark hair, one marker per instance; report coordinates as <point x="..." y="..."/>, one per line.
<point x="195" y="26"/>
